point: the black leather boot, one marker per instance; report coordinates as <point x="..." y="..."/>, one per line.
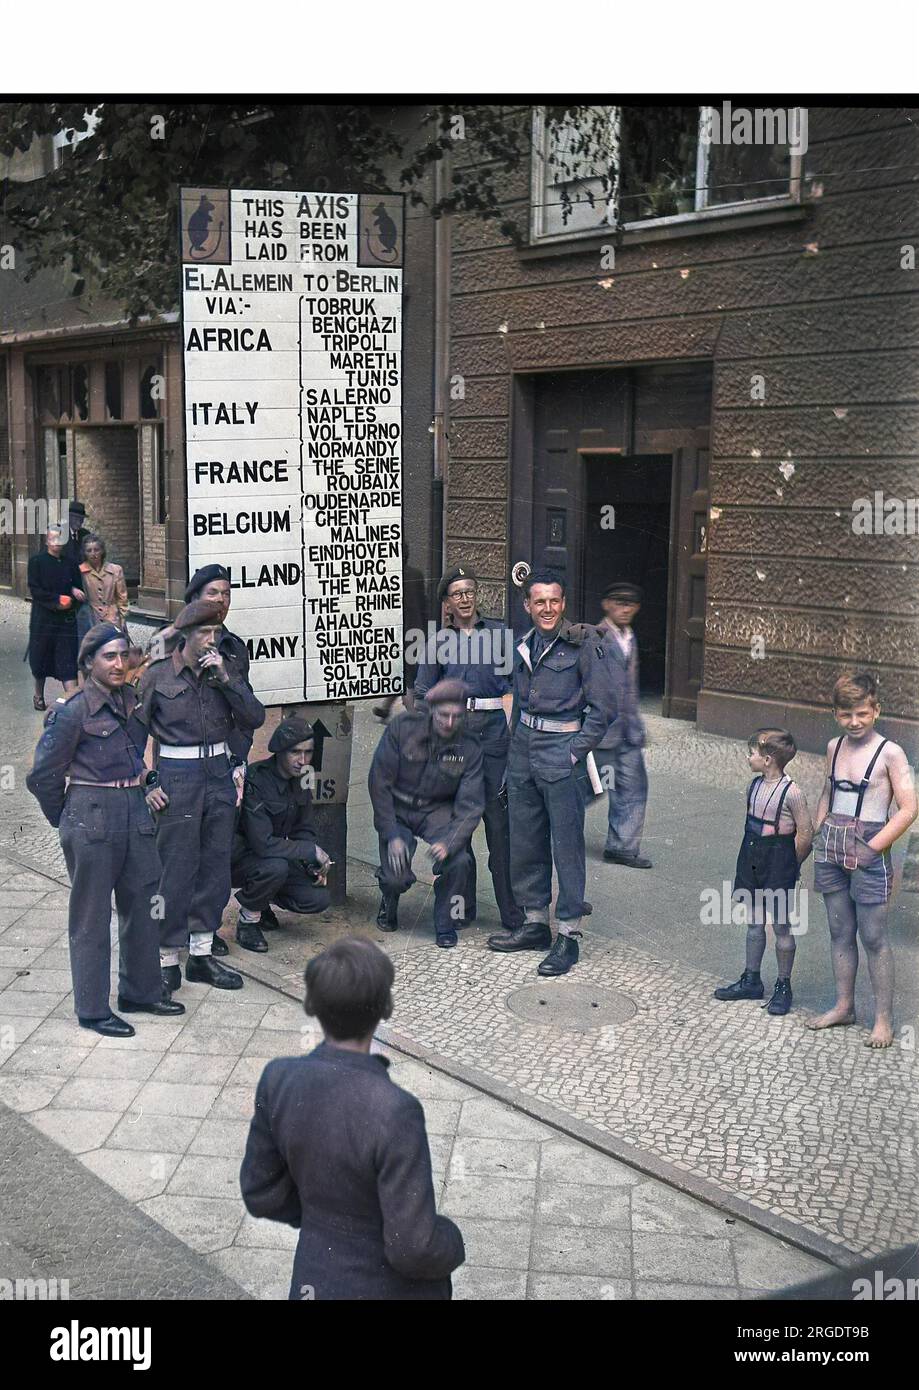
<point x="171" y="976"/>
<point x="561" y="958"/>
<point x="780" y="1002"/>
<point x="164" y="1007"/>
<point x="111" y="1027"/>
<point x="749" y="986"/>
<point x="219" y="947"/>
<point x="268" y="921"/>
<point x="388" y="915"/>
<point x="532" y="936"/>
<point x="249" y="937"/>
<point x="204" y="970"/>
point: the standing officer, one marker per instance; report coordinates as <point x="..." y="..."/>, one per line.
<point x="275" y="856"/>
<point x="95" y="740"/>
<point x="619" y="752"/>
<point x="478" y="652"/>
<point x="193" y="704"/>
<point x="426" y="782"/>
<point x="564" y="701"/>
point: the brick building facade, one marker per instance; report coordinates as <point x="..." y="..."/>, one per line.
<point x="729" y="388"/>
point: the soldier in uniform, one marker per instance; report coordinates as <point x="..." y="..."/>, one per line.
<point x="426" y="782"/>
<point x="477" y="651"/>
<point x="275" y="857"/>
<point x="192" y="703"/>
<point x="95" y="741"/>
<point x="564" y="701"/>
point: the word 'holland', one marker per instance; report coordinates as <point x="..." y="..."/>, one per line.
<point x="74" y="1343"/>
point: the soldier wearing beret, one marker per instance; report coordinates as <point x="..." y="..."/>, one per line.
<point x="619" y="752"/>
<point x="426" y="782"/>
<point x="89" y="779"/>
<point x="276" y="858"/>
<point x="479" y="652"/>
<point x="193" y="703"/>
<point x="564" y="701"/>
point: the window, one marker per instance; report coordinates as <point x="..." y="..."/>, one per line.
<point x="79" y="387"/>
<point x="113" y="409"/>
<point x="644" y="164"/>
<point x="158" y="448"/>
<point x="151" y="389"/>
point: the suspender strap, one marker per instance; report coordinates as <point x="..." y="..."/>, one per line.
<point x="867" y="778"/>
<point x="751" y="795"/>
<point x="835" y="756"/>
<point x="778" y="809"/>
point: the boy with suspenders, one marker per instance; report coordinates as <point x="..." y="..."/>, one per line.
<point x="777" y="840"/>
<point x="852" y="850"/>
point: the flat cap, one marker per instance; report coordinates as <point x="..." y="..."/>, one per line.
<point x="624" y="592"/>
<point x="447" y="691"/>
<point x="204" y="576"/>
<point x="289" y="733"/>
<point x="451" y="576"/>
<point x="197" y="613"/>
<point x="97" y="637"/>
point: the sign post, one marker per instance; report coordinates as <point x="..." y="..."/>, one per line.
<point x="292" y="338"/>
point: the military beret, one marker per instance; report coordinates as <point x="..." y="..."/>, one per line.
<point x="204" y="576"/>
<point x="448" y="690"/>
<point x="197" y="613"/>
<point x="451" y="576"/>
<point x="289" y="733"/>
<point x="623" y="592"/>
<point x="97" y="637"/>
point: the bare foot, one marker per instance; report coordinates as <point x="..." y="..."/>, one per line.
<point x="837" y="1017"/>
<point x="881" y="1035"/>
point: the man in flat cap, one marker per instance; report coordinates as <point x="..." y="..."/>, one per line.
<point x="564" y="701"/>
<point x="479" y="652"/>
<point x="193" y="704"/>
<point x="619" y="753"/>
<point x="89" y="779"/>
<point x="275" y="857"/>
<point x="426" y="782"/>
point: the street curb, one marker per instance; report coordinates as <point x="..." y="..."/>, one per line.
<point x="700" y="1188"/>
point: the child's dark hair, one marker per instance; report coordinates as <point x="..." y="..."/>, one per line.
<point x="778" y="743"/>
<point x="856" y="689"/>
<point x="348" y="988"/>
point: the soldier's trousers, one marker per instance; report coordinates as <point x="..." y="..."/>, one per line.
<point x="451" y="879"/>
<point x="547" y="797"/>
<point x="623" y="771"/>
<point x="498" y="838"/>
<point x="194" y="836"/>
<point x="284" y="882"/>
<point x="107" y="836"/>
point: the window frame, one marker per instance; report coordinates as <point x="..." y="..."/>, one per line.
<point x="702" y="213"/>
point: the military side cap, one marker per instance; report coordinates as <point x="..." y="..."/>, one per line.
<point x="449" y="691"/>
<point x="451" y="576"/>
<point x="623" y="592"/>
<point x="288" y="734"/>
<point x="197" y="613"/>
<point x="97" y="637"/>
<point x="205" y="576"/>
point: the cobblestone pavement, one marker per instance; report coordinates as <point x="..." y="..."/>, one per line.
<point x="161" y="1119"/>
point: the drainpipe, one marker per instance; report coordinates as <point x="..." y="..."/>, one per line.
<point x="441" y="422"/>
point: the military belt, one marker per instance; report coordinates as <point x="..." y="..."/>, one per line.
<point x="192" y="750"/>
<point x="550" y="726"/>
<point x="412" y="801"/>
<point x="123" y="782"/>
<point x="492" y="702"/>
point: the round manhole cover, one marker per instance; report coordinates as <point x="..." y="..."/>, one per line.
<point x="576" y="1007"/>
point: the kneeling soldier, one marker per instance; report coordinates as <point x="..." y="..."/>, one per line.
<point x="426" y="782"/>
<point x="96" y="742"/>
<point x="275" y="857"/>
<point x="192" y="704"/>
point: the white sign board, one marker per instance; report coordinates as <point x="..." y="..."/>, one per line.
<point x="292" y="334"/>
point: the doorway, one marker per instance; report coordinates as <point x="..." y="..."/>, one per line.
<point x="627" y="537"/>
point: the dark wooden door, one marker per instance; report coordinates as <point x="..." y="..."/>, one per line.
<point x="689" y="532"/>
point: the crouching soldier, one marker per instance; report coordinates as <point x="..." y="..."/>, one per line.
<point x="192" y="704"/>
<point x="96" y="742"/>
<point x="426" y="782"/>
<point x="276" y="858"/>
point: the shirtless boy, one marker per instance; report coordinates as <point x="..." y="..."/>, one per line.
<point x="865" y="773"/>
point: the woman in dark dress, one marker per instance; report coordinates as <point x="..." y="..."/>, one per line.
<point x="339" y="1151"/>
<point x="54" y="583"/>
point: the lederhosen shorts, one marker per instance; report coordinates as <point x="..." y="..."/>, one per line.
<point x="840" y="844"/>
